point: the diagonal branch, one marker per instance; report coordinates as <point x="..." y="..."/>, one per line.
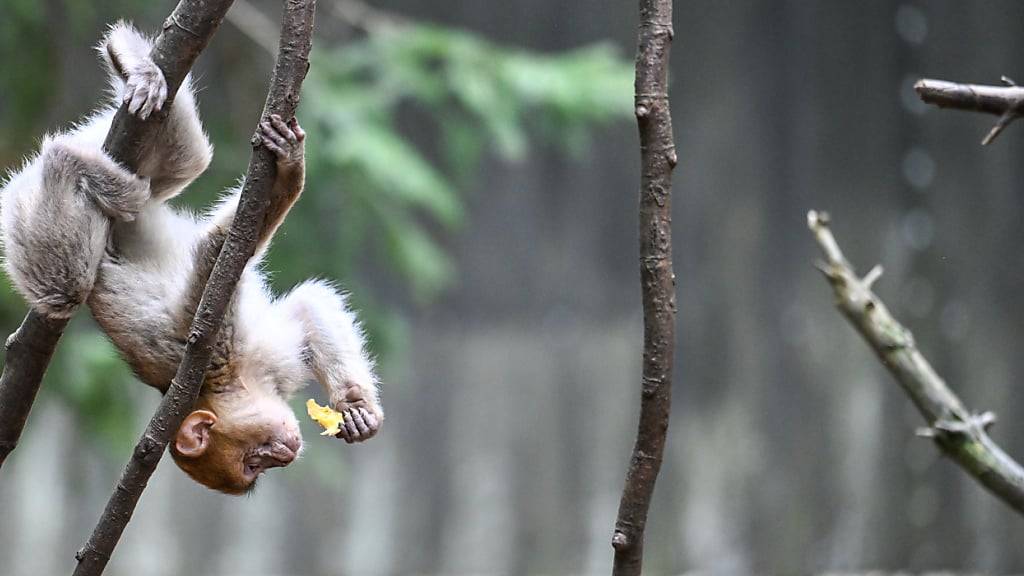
<point x="185" y="33"/>
<point x="1006" y="101"/>
<point x="29" y="351"/>
<point x="960" y="434"/>
<point x="657" y="281"/>
<point x="282" y="99"/>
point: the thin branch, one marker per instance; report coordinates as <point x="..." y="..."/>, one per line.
<point x="960" y="434"/>
<point x="185" y="33"/>
<point x="657" y="280"/>
<point x="1006" y="101"/>
<point x="282" y="99"/>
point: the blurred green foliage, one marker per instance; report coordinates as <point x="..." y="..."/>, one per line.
<point x="476" y="98"/>
<point x="399" y="122"/>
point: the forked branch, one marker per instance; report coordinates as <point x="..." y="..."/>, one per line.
<point x="1006" y="101"/>
<point x="282" y="99"/>
<point x="959" y="433"/>
<point x="185" y="33"/>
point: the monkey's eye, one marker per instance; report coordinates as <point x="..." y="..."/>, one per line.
<point x="251" y="470"/>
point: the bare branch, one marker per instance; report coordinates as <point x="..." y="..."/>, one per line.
<point x="1005" y="101"/>
<point x="185" y="33"/>
<point x="658" y="159"/>
<point x="960" y="434"/>
<point x="282" y="99"/>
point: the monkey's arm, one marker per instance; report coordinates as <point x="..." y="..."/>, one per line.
<point x="335" y="353"/>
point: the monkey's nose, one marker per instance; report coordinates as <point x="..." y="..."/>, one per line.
<point x="284" y="451"/>
<point x="280" y="458"/>
<point x="281" y="461"/>
<point x="294" y="443"/>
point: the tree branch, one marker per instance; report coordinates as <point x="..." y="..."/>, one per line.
<point x="1006" y="101"/>
<point x="282" y="99"/>
<point x="29" y="351"/>
<point x="185" y="33"/>
<point x="960" y="434"/>
<point x="658" y="158"/>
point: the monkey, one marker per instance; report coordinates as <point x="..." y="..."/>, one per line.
<point x="78" y="228"/>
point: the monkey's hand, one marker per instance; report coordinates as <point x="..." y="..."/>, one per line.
<point x="285" y="140"/>
<point x="145" y="87"/>
<point x="363" y="415"/>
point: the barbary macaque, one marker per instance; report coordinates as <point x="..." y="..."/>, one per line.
<point x="78" y="227"/>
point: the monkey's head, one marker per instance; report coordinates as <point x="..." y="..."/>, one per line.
<point x="230" y="439"/>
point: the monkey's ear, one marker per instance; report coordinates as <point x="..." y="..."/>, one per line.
<point x="194" y="435"/>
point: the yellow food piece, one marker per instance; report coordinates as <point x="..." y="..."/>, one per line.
<point x="325" y="416"/>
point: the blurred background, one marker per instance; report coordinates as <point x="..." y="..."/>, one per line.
<point x="472" y="180"/>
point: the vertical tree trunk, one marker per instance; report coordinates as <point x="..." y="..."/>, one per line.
<point x="658" y="158"/>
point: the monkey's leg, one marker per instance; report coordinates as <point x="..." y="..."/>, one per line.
<point x="286" y="141"/>
<point x="79" y="171"/>
<point x="181" y="151"/>
<point x="335" y="353"/>
<point x="56" y="218"/>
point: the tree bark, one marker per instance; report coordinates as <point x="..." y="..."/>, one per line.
<point x="658" y="158"/>
<point x="960" y="434"/>
<point x="1006" y="101"/>
<point x="282" y="99"/>
<point x="185" y="33"/>
<point x="29" y="351"/>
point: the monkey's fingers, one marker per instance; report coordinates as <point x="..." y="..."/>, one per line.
<point x="145" y="90"/>
<point x="361" y="425"/>
<point x="345" y="435"/>
<point x="284" y="129"/>
<point x="299" y="132"/>
<point x="136" y="96"/>
<point x="350" y="426"/>
<point x="148" y="106"/>
<point x="144" y="99"/>
<point x="371" y="420"/>
<point x="161" y="97"/>
<point x="273" y="141"/>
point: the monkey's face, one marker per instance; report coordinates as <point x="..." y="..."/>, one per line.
<point x="227" y="445"/>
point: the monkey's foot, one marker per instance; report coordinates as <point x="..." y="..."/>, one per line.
<point x="145" y="89"/>
<point x="362" y="415"/>
<point x="284" y="139"/>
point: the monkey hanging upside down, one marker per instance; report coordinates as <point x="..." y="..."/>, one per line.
<point x="143" y="284"/>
